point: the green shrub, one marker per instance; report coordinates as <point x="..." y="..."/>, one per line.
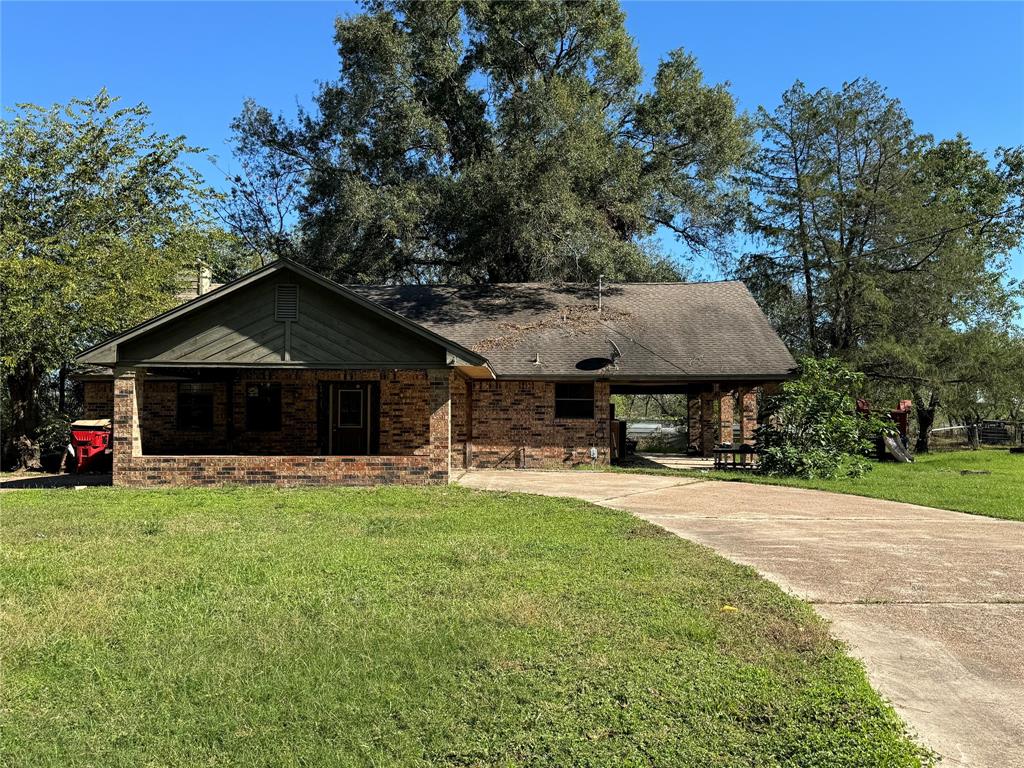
<point x="812" y="428"/>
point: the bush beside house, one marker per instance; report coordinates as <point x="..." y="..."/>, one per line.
<point x="811" y="428"/>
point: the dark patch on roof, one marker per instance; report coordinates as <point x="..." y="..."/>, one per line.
<point x="666" y="330"/>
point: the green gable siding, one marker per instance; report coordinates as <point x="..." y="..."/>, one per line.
<point x="241" y="329"/>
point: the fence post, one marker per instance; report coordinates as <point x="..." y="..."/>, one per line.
<point x="973" y="438"/>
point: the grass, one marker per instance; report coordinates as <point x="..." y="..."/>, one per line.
<point x="405" y="627"/>
<point x="933" y="480"/>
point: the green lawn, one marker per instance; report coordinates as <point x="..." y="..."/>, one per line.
<point x="933" y="480"/>
<point x="405" y="627"/>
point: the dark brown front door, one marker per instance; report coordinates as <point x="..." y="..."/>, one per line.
<point x="352" y="415"/>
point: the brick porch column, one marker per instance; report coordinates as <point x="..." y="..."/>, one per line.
<point x="748" y="415"/>
<point x="440" y="425"/>
<point x="726" y="403"/>
<point x="602" y="412"/>
<point x="127" y="443"/>
<point x="707" y="422"/>
<point x="693" y="441"/>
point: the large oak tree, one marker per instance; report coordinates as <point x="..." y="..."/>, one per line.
<point x="490" y="141"/>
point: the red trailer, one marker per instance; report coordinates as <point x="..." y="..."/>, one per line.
<point x="91" y="440"/>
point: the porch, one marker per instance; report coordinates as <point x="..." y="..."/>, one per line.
<point x="281" y="427"/>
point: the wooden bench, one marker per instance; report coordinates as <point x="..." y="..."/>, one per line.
<point x="738" y="457"/>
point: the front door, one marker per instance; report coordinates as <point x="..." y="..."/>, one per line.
<point x="351" y="415"/>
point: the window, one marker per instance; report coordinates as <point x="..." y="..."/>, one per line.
<point x="195" y="407"/>
<point x="350" y="408"/>
<point x="262" y="406"/>
<point x="574" y="401"/>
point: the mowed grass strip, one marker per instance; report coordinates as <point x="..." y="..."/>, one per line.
<point x="405" y="627"/>
<point x="933" y="480"/>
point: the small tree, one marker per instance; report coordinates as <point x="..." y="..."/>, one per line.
<point x="812" y="428"/>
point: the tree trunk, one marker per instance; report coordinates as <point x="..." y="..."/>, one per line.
<point x="805" y="258"/>
<point x="62" y="385"/>
<point x="22" y="386"/>
<point x="925" y="413"/>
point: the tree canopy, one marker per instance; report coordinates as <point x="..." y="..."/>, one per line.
<point x="473" y="140"/>
<point x="884" y="247"/>
<point x="100" y="218"/>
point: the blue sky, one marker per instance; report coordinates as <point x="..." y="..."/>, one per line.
<point x="955" y="66"/>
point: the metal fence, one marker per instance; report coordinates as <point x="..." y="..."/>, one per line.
<point x="985" y="433"/>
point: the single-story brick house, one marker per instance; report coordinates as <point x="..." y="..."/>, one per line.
<point x="285" y="377"/>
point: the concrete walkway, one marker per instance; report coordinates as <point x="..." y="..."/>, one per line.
<point x="932" y="601"/>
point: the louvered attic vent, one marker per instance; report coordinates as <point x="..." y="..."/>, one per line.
<point x="286" y="306"/>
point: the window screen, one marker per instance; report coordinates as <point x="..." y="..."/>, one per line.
<point x="263" y="406"/>
<point x="195" y="407"/>
<point x="574" y="401"/>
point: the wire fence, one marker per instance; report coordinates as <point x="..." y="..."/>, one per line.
<point x="985" y="433"/>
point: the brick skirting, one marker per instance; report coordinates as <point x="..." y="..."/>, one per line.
<point x="152" y="471"/>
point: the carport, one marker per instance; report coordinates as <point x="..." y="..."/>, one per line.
<point x="718" y="411"/>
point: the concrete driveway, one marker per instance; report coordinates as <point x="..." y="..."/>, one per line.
<point x="932" y="601"/>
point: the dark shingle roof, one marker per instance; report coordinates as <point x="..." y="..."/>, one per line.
<point x="663" y="330"/>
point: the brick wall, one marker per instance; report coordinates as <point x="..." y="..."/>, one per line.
<point x="415" y="419"/>
<point x="514" y="425"/>
<point x="440" y="409"/>
<point x="460" y="416"/>
<point x="98" y="399"/>
<point x="159" y="427"/>
<point x="404" y="415"/>
<point x="693" y="430"/>
<point x="711" y="417"/>
<point x="726" y="409"/>
<point x="425" y="425"/>
<point x="155" y="471"/>
<point x="748" y="414"/>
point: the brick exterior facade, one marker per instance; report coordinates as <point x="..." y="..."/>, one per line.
<point x="98" y="399"/>
<point x="726" y="408"/>
<point x="513" y="425"/>
<point x="430" y="422"/>
<point x="460" y="417"/>
<point x="721" y="417"/>
<point x="404" y="414"/>
<point x="748" y="414"/>
<point x="415" y="419"/>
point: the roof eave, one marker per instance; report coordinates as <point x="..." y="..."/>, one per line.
<point x="651" y="378"/>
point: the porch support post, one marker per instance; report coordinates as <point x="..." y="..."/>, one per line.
<point x="707" y="422"/>
<point x="693" y="433"/>
<point x="440" y="425"/>
<point x="748" y="414"/>
<point x="127" y="442"/>
<point x="725" y="413"/>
